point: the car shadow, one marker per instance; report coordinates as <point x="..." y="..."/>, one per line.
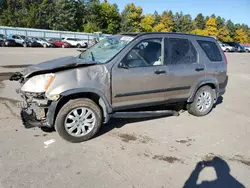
<point x="219" y="100"/>
<point x="119" y="123"/>
<point x="222" y="169"/>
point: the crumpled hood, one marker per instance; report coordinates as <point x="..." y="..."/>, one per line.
<point x="55" y="65"/>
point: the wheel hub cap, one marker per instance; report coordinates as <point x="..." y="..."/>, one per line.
<point x="204" y="101"/>
<point x="80" y="121"/>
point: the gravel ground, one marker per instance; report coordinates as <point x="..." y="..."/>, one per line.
<point x="154" y="153"/>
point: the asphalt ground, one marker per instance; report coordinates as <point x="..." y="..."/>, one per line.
<point x="153" y="153"/>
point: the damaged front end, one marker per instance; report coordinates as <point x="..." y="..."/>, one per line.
<point x="44" y="85"/>
<point x="34" y="106"/>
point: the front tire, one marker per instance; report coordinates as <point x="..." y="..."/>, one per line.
<point x="227" y="50"/>
<point x="45" y="45"/>
<point x="78" y="120"/>
<point x="203" y="102"/>
<point x="78" y="45"/>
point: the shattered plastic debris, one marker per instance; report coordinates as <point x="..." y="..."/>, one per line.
<point x="49" y="142"/>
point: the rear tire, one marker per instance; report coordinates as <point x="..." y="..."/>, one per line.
<point x="203" y="102"/>
<point x="78" y="45"/>
<point x="63" y="46"/>
<point x="247" y="51"/>
<point x="67" y="112"/>
<point x="24" y="45"/>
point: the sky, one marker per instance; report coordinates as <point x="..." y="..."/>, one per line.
<point x="236" y="10"/>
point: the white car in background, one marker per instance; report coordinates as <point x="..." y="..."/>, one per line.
<point x="226" y="48"/>
<point x="75" y="42"/>
<point x="247" y="48"/>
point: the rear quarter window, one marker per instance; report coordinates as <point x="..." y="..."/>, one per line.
<point x="211" y="50"/>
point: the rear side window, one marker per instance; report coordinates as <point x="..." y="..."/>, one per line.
<point x="182" y="51"/>
<point x="211" y="49"/>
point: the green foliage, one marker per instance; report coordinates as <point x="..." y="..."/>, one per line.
<point x="166" y="23"/>
<point x="199" y="21"/>
<point x="231" y="27"/>
<point x="131" y="18"/>
<point x="220" y="22"/>
<point x="68" y="15"/>
<point x="96" y="15"/>
<point x="182" y="23"/>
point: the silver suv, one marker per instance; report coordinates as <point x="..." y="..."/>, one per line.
<point x="118" y="75"/>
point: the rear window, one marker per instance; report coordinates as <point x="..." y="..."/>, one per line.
<point x="211" y="49"/>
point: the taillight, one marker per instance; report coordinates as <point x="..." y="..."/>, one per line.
<point x="225" y="58"/>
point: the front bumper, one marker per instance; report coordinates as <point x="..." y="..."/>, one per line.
<point x="35" y="109"/>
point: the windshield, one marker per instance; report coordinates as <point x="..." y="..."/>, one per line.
<point x="106" y="49"/>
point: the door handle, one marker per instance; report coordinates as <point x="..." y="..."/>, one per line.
<point x="198" y="69"/>
<point x="160" y="72"/>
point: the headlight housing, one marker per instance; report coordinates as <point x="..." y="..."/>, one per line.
<point x="39" y="83"/>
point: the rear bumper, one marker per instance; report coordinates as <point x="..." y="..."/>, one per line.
<point x="222" y="87"/>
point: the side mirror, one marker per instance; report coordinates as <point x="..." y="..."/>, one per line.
<point x="123" y="65"/>
<point x="223" y="45"/>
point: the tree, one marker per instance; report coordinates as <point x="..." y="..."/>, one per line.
<point x="223" y="35"/>
<point x="167" y="22"/>
<point x="231" y="27"/>
<point x="182" y="23"/>
<point x="67" y="16"/>
<point x="241" y="36"/>
<point x="147" y="23"/>
<point x="199" y="21"/>
<point x="157" y="18"/>
<point x="131" y="18"/>
<point x="220" y="22"/>
<point x="248" y="34"/>
<point x="211" y="27"/>
<point x="110" y="18"/>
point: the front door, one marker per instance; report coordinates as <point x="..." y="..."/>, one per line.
<point x="140" y="78"/>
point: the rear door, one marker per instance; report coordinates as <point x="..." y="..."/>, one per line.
<point x="184" y="68"/>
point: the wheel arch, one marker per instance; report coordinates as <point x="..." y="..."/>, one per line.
<point x="212" y="83"/>
<point x="66" y="96"/>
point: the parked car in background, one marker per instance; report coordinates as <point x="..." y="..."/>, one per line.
<point x="1" y="42"/>
<point x="32" y="42"/>
<point x="247" y="48"/>
<point x="227" y="48"/>
<point x="119" y="74"/>
<point x="75" y="42"/>
<point x="6" y="42"/>
<point x="59" y="43"/>
<point x="238" y="47"/>
<point x="44" y="43"/>
<point x="19" y="40"/>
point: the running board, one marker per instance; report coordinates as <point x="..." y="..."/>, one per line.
<point x="145" y="114"/>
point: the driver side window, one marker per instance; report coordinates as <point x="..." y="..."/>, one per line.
<point x="146" y="53"/>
